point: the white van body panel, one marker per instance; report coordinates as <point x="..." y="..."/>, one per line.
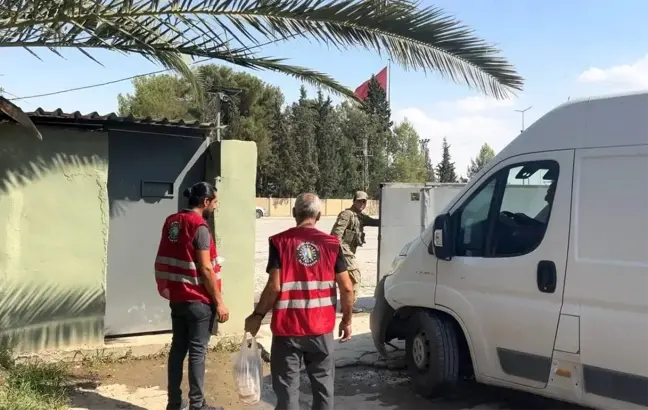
<point x="591" y="334"/>
<point x="607" y="282"/>
<point x="416" y="280"/>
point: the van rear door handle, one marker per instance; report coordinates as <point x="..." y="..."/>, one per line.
<point x="547" y="277"/>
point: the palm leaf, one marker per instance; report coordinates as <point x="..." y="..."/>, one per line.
<point x="306" y="75"/>
<point x="416" y="38"/>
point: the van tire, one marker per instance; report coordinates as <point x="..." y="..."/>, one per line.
<point x="432" y="353"/>
<point x="259" y="214"/>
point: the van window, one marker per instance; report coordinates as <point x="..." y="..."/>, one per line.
<point x="527" y="197"/>
<point x="473" y="222"/>
<point x="508" y="215"/>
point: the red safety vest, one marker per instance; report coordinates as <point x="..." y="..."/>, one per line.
<point x="176" y="274"/>
<point x="307" y="301"/>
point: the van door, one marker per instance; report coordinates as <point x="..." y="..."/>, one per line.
<point x="506" y="279"/>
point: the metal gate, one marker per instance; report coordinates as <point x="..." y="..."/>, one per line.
<point x="146" y="176"/>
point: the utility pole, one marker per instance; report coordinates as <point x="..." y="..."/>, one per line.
<point x="522" y="112"/>
<point x="365" y="163"/>
<point x="212" y="113"/>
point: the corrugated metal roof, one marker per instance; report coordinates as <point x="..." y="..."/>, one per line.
<point x="59" y="116"/>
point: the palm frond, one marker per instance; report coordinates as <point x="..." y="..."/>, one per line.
<point x="303" y="74"/>
<point x="416" y="38"/>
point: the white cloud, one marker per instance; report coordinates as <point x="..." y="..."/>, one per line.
<point x="622" y="77"/>
<point x="467" y="127"/>
<point x="477" y="104"/>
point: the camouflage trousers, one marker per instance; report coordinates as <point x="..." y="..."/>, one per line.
<point x="356" y="279"/>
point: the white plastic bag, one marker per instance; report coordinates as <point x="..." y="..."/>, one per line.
<point x="248" y="372"/>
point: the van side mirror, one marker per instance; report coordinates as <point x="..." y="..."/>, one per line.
<point x="442" y="243"/>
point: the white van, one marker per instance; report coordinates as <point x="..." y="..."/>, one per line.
<point x="535" y="276"/>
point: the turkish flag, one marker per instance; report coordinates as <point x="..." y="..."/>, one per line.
<point x="363" y="90"/>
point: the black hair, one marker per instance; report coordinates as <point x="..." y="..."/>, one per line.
<point x="199" y="192"/>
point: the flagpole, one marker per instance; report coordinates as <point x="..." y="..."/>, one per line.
<point x="388" y="80"/>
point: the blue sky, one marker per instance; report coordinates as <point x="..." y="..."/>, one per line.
<point x="569" y="48"/>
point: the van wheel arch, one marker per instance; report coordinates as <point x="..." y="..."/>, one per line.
<point x="465" y="343"/>
<point x="447" y="345"/>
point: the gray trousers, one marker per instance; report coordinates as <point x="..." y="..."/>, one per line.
<point x="286" y="358"/>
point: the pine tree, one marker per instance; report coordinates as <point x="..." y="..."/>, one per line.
<point x="354" y="125"/>
<point x="377" y="104"/>
<point x="446" y="168"/>
<point x="379" y="134"/>
<point x="327" y="141"/>
<point x="285" y="179"/>
<point x="425" y="148"/>
<point x="302" y="130"/>
<point x="486" y="153"/>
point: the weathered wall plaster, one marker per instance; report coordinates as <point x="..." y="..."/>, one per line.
<point x="53" y="237"/>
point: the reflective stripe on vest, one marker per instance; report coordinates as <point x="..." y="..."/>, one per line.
<point x="178" y="277"/>
<point x="176" y="272"/>
<point x="307" y="298"/>
<point x="300" y="303"/>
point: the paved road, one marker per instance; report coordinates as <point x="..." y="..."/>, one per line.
<point x="367" y="255"/>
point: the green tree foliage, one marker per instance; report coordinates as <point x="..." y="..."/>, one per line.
<point x="160" y="96"/>
<point x="308" y="145"/>
<point x="354" y="125"/>
<point x="328" y="141"/>
<point x="283" y="177"/>
<point x="425" y="147"/>
<point x="445" y="170"/>
<point x="486" y="153"/>
<point x="377" y="109"/>
<point x="301" y="119"/>
<point x="408" y="161"/>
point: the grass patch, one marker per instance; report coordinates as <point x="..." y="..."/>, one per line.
<point x="32" y="385"/>
<point x="100" y="357"/>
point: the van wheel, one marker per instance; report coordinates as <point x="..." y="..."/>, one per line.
<point x="432" y="351"/>
<point x="259" y="213"/>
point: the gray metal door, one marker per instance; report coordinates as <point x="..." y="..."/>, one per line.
<point x="146" y="176"/>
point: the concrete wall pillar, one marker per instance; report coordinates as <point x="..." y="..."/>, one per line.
<point x="232" y="166"/>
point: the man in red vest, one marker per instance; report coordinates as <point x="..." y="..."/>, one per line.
<point x="187" y="274"/>
<point x="304" y="265"/>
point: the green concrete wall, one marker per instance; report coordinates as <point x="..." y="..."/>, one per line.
<point x="233" y="168"/>
<point x="53" y="237"/>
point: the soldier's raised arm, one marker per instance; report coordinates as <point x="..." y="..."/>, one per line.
<point x="341" y="224"/>
<point x="369" y="221"/>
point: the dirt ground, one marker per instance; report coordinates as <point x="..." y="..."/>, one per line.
<point x="359" y="384"/>
<point x="134" y="375"/>
<point x="356" y="387"/>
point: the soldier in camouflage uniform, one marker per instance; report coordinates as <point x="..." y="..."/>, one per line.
<point x="349" y="229"/>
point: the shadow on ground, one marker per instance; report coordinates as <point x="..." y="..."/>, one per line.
<point x="92" y="400"/>
<point x="364" y="380"/>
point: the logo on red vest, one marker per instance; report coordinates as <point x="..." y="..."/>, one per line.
<point x="307" y="254"/>
<point x="173" y="233"/>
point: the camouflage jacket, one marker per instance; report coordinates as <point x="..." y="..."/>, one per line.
<point x="349" y="229"/>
